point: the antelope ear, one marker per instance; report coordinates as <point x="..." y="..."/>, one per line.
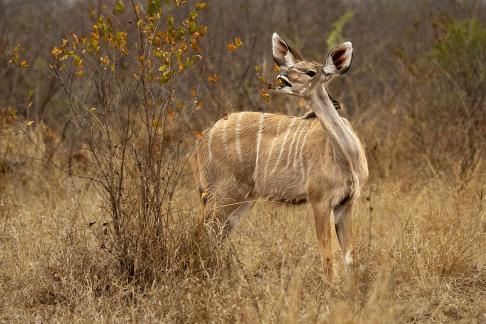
<point x="339" y="59"/>
<point x="283" y="55"/>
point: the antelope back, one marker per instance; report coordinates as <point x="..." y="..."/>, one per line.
<point x="268" y="153"/>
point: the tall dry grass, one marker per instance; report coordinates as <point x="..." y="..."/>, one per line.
<point x="420" y="256"/>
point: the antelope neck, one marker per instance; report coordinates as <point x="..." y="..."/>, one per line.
<point x="344" y="142"/>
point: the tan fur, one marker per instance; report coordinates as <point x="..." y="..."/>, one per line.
<point x="320" y="160"/>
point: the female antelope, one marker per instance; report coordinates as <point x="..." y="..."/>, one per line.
<point x="316" y="158"/>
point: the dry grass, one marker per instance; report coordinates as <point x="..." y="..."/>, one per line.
<point x="420" y="251"/>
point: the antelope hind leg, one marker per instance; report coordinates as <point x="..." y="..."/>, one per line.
<point x="344" y="230"/>
<point x="224" y="209"/>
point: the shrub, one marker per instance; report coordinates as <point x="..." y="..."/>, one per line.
<point x="127" y="84"/>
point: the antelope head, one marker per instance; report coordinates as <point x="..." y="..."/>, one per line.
<point x="299" y="76"/>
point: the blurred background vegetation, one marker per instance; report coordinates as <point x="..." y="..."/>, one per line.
<point x="101" y="103"/>
<point x="416" y="86"/>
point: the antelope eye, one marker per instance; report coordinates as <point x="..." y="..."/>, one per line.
<point x="310" y="73"/>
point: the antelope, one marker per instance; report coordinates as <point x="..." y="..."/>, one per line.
<point x="316" y="159"/>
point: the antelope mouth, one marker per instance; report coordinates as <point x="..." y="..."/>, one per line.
<point x="284" y="82"/>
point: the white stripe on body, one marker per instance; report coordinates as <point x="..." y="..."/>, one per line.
<point x="225" y="126"/>
<point x="259" y="142"/>
<point x="299" y="146"/>
<point x="348" y="259"/>
<point x="271" y="150"/>
<point x="283" y="145"/>
<point x="296" y="135"/>
<point x="210" y="142"/>
<point x="302" y="167"/>
<point x="237" y="137"/>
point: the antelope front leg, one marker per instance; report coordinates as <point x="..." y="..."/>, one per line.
<point x="343" y="217"/>
<point x="322" y="213"/>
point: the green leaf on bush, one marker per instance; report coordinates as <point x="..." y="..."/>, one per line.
<point x="336" y="34"/>
<point x="118" y="8"/>
<point x="153" y="7"/>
